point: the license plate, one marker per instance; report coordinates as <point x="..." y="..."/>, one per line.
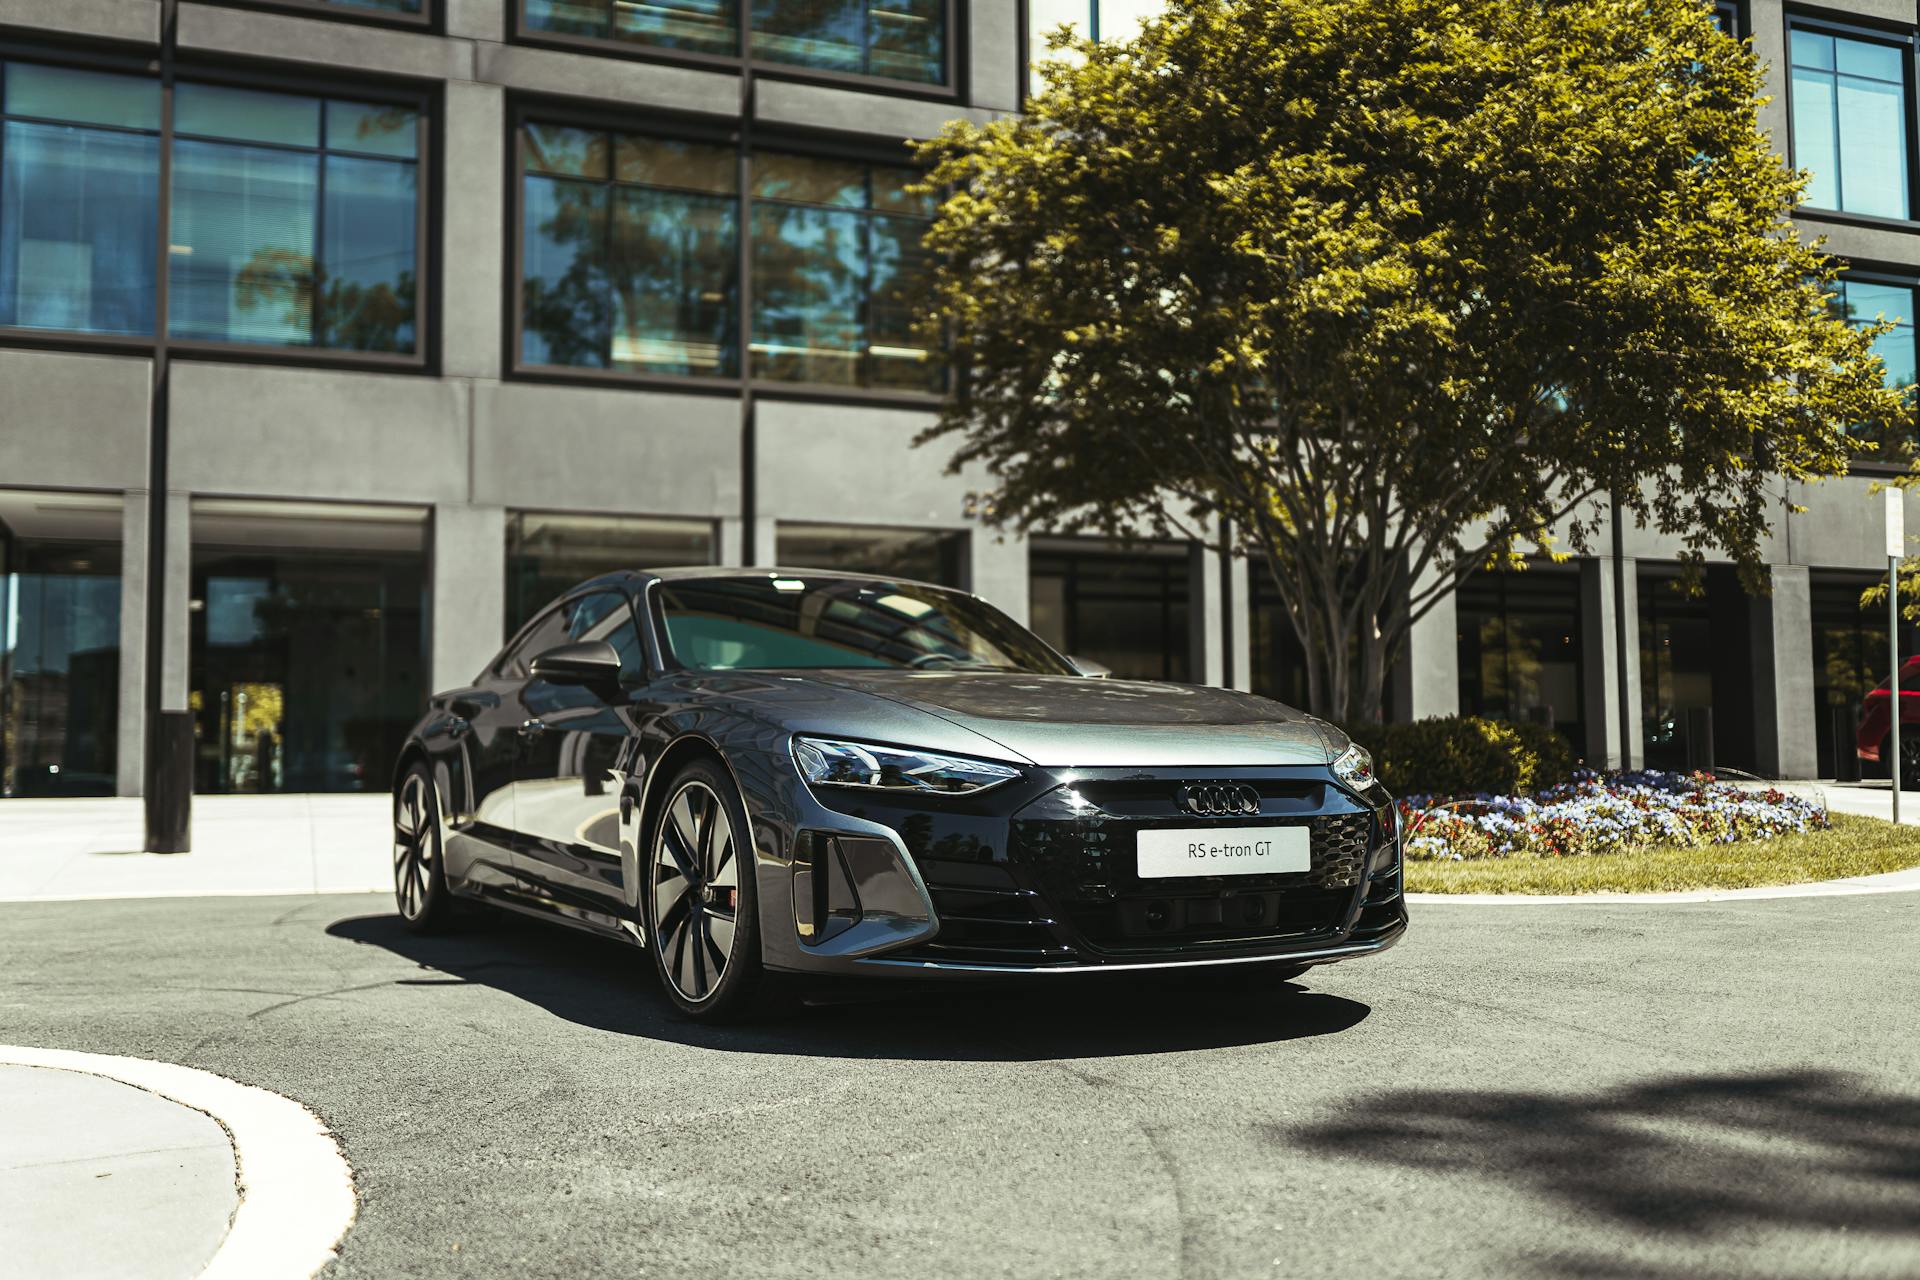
<point x="1224" y="851"/>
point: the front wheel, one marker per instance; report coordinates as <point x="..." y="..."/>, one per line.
<point x="419" y="871"/>
<point x="704" y="929"/>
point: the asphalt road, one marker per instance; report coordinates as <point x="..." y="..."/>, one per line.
<point x="1591" y="1092"/>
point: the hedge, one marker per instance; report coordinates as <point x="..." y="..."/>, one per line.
<point x="1465" y="755"/>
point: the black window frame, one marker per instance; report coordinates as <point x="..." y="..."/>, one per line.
<point x="956" y="66"/>
<point x="1733" y="17"/>
<point x="430" y="18"/>
<point x="426" y="101"/>
<point x="698" y="129"/>
<point x="1898" y="37"/>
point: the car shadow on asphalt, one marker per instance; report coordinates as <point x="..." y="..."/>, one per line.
<point x="611" y="987"/>
<point x="1728" y="1166"/>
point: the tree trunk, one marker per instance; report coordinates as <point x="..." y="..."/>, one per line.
<point x="1347" y="661"/>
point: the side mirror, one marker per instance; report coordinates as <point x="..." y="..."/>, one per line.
<point x="588" y="662"/>
<point x="1089" y="668"/>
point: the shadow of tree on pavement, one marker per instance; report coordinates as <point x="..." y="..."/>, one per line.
<point x="1790" y="1174"/>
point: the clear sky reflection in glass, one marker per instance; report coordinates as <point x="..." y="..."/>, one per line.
<point x="1090" y="20"/>
<point x="1868" y="302"/>
<point x="1850" y="123"/>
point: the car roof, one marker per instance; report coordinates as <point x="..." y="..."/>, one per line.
<point x="681" y="573"/>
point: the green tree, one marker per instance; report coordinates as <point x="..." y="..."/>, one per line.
<point x="1402" y="289"/>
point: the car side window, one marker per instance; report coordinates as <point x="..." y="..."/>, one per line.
<point x="606" y="615"/>
<point x="544" y="634"/>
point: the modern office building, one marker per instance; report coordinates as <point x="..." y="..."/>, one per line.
<point x="439" y="305"/>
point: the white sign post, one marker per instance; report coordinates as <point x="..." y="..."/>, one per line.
<point x="1896" y="547"/>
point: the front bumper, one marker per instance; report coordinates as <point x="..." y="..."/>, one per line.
<point x="1040" y="877"/>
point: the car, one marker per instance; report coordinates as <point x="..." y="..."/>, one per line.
<point x="1873" y="739"/>
<point x="758" y="772"/>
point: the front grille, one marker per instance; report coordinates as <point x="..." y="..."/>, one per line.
<point x="1086" y="870"/>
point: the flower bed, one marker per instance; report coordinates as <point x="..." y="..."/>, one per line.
<point x="1602" y="813"/>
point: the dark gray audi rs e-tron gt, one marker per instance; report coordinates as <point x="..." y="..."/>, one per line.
<point x="754" y="770"/>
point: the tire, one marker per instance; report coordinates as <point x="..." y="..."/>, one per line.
<point x="703" y="922"/>
<point x="419" y="864"/>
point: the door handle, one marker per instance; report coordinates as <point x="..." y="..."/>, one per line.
<point x="530" y="727"/>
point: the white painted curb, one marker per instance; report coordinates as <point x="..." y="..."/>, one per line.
<point x="1907" y="881"/>
<point x="296" y="1191"/>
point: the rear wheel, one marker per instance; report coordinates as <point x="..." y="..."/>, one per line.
<point x="704" y="929"/>
<point x="419" y="872"/>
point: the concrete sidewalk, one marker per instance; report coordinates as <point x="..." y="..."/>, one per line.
<point x="100" y="1178"/>
<point x="71" y="849"/>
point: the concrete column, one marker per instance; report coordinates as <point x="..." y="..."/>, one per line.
<point x="1599" y="664"/>
<point x="472" y="251"/>
<point x="176" y="641"/>
<point x="477" y="19"/>
<point x="1429" y="671"/>
<point x="1784" y="669"/>
<point x="993" y="39"/>
<point x="1204" y="616"/>
<point x="997" y="571"/>
<point x="732" y="549"/>
<point x="468" y="616"/>
<point x="131" y="732"/>
<point x="1635" y="743"/>
<point x="1239" y="622"/>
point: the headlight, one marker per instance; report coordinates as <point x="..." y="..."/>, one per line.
<point x="1354" y="766"/>
<point x="826" y="762"/>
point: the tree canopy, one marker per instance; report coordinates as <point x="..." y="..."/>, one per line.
<point x="1400" y="289"/>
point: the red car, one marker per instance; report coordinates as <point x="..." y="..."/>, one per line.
<point x="1871" y="740"/>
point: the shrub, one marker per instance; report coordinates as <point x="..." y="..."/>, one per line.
<point x="1459" y="755"/>
<point x="1553" y="758"/>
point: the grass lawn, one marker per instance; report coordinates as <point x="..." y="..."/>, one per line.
<point x="1855" y="846"/>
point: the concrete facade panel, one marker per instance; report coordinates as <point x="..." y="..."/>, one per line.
<point x="1862" y="244"/>
<point x="472" y="235"/>
<point x="1844" y="524"/>
<point x="815" y="106"/>
<point x="1788" y="743"/>
<point x="323" y="42"/>
<point x="997" y="572"/>
<point x="469" y="592"/>
<point x="587" y="449"/>
<point x="176" y="625"/>
<point x="74" y="421"/>
<point x="858" y="465"/>
<point x="130" y="735"/>
<point x="578" y="75"/>
<point x="477" y="19"/>
<point x="134" y="20"/>
<point x="318" y="434"/>
<point x="993" y="54"/>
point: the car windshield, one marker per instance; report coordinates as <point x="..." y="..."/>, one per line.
<point x="752" y="623"/>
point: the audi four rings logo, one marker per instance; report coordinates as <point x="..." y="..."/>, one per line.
<point x="1219" y="799"/>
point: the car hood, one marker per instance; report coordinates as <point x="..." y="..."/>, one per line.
<point x="1064" y="721"/>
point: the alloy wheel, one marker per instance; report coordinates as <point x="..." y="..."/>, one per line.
<point x="696" y="891"/>
<point x="412" y="847"/>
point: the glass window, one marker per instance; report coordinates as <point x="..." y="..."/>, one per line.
<point x="307" y="654"/>
<point x="630" y="256"/>
<point x="550" y="554"/>
<point x="893" y="39"/>
<point x="1726" y="13"/>
<point x="837" y="260"/>
<point x="79" y="199"/>
<point x="1866" y="302"/>
<point x="295" y="221"/>
<point x="922" y="555"/>
<point x="1126" y="611"/>
<point x="1850" y="122"/>
<point x="701" y="26"/>
<point x="765" y="622"/>
<point x="1518" y="649"/>
<point x="605" y="615"/>
<point x="59" y="644"/>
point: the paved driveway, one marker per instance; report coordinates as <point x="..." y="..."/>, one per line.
<point x="1703" y="1091"/>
